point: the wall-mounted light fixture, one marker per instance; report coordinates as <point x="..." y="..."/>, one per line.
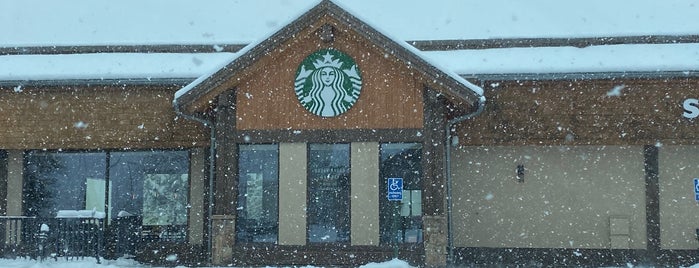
<point x="520" y="173"/>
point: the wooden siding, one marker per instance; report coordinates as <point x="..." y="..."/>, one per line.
<point x="391" y="98"/>
<point x="582" y="112"/>
<point x="90" y="117"/>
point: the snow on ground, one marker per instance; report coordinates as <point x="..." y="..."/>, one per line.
<point x="126" y="263"/>
<point x="62" y="263"/>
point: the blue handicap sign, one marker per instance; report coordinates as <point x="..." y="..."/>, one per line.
<point x="395" y="189"/>
<point x="696" y="189"/>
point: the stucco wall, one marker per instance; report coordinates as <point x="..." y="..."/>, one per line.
<point x="365" y="193"/>
<point x="197" y="188"/>
<point x="571" y="197"/>
<point x="292" y="193"/>
<point x="679" y="212"/>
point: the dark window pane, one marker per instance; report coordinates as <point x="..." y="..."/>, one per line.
<point x="63" y="181"/>
<point x="401" y="221"/>
<point x="328" y="193"/>
<point x="152" y="186"/>
<point x="258" y="193"/>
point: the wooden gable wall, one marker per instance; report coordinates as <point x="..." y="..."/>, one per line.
<point x="391" y="98"/>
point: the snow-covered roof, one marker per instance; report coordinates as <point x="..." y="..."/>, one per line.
<point x="139" y="22"/>
<point x="629" y="58"/>
<point x="109" y="66"/>
<point x="225" y="22"/>
<point x="682" y="59"/>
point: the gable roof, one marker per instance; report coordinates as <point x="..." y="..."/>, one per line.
<point x="447" y="82"/>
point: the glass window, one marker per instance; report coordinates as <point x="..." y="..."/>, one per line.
<point x="63" y="181"/>
<point x="150" y="187"/>
<point x="328" y="193"/>
<point x="258" y="193"/>
<point x="401" y="221"/>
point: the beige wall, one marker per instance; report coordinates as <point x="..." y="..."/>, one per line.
<point x="679" y="212"/>
<point x="15" y="162"/>
<point x="292" y="193"/>
<point x="196" y="195"/>
<point x="571" y="197"/>
<point x="365" y="193"/>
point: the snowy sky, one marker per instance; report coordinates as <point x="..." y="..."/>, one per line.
<point x="131" y="22"/>
<point x="151" y="22"/>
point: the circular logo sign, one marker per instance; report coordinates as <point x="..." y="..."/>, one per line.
<point x="328" y="82"/>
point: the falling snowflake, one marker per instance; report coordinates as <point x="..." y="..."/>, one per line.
<point x="616" y="91"/>
<point x="80" y="125"/>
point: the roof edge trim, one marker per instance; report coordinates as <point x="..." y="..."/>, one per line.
<point x="582" y="75"/>
<point x="100" y="82"/>
<point x="425" y="45"/>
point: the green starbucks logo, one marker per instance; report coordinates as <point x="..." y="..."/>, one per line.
<point x="328" y="83"/>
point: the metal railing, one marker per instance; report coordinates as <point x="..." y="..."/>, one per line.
<point x="41" y="238"/>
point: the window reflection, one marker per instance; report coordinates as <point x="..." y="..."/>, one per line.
<point x="328" y="193"/>
<point x="258" y="193"/>
<point x="401" y="221"/>
<point x="149" y="186"/>
<point x="63" y="181"/>
<point x="152" y="186"/>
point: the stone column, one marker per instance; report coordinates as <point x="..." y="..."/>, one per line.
<point x="225" y="189"/>
<point x="435" y="241"/>
<point x="434" y="180"/>
<point x="223" y="234"/>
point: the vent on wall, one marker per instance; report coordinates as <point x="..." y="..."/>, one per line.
<point x="619" y="231"/>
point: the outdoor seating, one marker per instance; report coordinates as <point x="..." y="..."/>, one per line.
<point x="72" y="234"/>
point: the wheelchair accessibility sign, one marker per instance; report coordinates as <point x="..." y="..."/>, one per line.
<point x="696" y="189"/>
<point x="395" y="189"/>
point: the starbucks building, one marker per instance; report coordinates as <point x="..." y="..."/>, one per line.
<point x="330" y="143"/>
<point x="310" y="124"/>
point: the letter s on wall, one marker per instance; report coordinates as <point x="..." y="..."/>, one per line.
<point x="691" y="108"/>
